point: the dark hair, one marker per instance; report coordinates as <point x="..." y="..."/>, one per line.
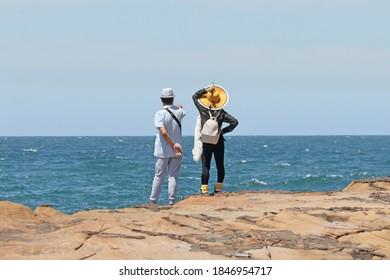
<point x="167" y="101"/>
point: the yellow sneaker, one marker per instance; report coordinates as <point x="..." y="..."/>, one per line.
<point x="218" y="188"/>
<point x="204" y="189"/>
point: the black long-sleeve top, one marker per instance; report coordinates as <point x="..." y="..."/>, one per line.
<point x="223" y="116"/>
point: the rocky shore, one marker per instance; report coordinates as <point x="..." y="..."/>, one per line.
<point x="346" y="225"/>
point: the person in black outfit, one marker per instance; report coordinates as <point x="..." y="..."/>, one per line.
<point x="206" y="100"/>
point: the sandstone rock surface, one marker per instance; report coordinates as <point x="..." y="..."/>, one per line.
<point x="352" y="224"/>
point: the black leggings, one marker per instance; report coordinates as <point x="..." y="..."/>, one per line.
<point x="219" y="154"/>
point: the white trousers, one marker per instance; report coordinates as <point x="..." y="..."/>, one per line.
<point x="162" y="165"/>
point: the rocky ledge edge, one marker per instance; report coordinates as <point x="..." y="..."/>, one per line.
<point x="264" y="225"/>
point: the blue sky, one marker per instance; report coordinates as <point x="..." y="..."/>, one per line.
<point x="97" y="67"/>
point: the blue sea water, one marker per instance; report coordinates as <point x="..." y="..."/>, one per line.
<point x="81" y="173"/>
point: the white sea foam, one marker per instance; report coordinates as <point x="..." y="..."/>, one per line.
<point x="334" y="176"/>
<point x="120" y="157"/>
<point x="30" y="150"/>
<point x="310" y="176"/>
<point x="265" y="146"/>
<point x="192" y="178"/>
<point x="285" y="164"/>
<point x="243" y="161"/>
<point x="256" y="181"/>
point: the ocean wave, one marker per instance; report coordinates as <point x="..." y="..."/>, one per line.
<point x="334" y="176"/>
<point x="30" y="150"/>
<point x="192" y="178"/>
<point x="120" y="157"/>
<point x="311" y="176"/>
<point x="254" y="181"/>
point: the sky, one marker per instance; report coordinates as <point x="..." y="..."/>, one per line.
<point x="97" y="67"/>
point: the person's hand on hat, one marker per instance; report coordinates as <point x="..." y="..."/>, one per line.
<point x="214" y="98"/>
<point x="210" y="89"/>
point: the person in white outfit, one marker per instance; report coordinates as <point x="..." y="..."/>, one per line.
<point x="168" y="146"/>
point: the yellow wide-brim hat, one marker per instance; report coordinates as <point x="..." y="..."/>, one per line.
<point x="214" y="100"/>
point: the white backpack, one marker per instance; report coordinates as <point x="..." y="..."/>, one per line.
<point x="210" y="131"/>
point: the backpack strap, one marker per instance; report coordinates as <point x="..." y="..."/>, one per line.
<point x="216" y="117"/>
<point x="174" y="117"/>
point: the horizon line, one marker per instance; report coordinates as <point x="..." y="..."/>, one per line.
<point x="188" y="135"/>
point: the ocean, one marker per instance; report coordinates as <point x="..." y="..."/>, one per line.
<point x="82" y="173"/>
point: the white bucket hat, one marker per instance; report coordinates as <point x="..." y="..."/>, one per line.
<point x="167" y="93"/>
